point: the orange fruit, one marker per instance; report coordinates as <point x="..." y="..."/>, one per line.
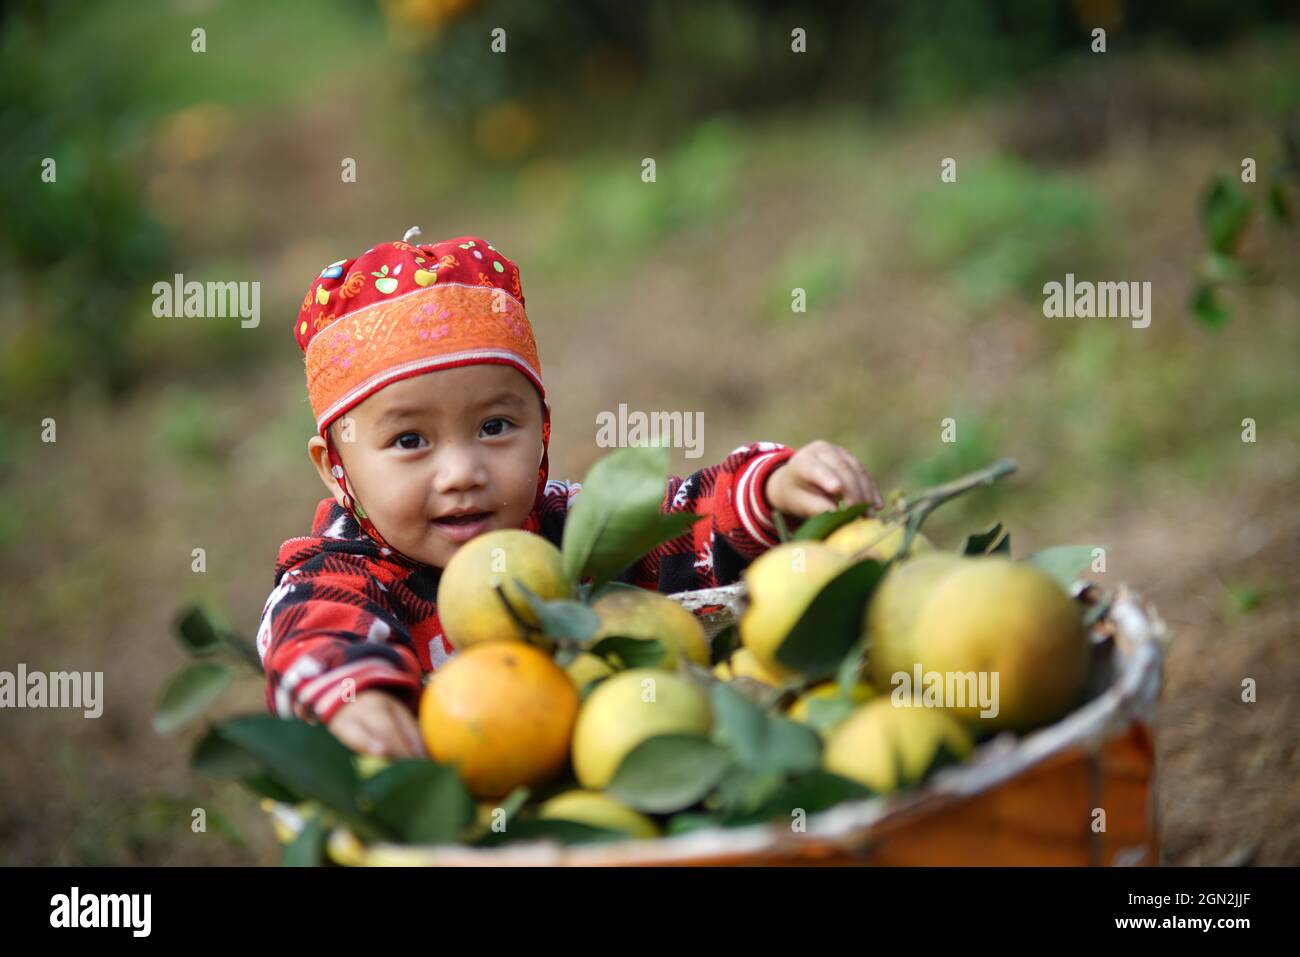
<point x="502" y="714"/>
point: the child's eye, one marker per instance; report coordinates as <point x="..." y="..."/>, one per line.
<point x="502" y="427"/>
<point x="401" y="440"/>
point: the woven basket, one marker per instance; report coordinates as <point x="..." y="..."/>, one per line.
<point x="1032" y="800"/>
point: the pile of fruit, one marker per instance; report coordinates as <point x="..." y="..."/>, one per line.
<point x="578" y="708"/>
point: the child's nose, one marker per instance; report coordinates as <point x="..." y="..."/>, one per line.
<point x="457" y="467"/>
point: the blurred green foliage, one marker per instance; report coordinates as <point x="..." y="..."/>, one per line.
<point x="103" y="88"/>
<point x="824" y="267"/>
<point x="187" y="431"/>
<point x="1228" y="211"/>
<point x="975" y="444"/>
<point x="1008" y="228"/>
<point x="694" y="184"/>
<point x="77" y="245"/>
<point x="89" y="85"/>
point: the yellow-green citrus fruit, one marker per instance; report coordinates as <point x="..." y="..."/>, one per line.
<point x="647" y="614"/>
<point x="469" y="607"/>
<point x="886" y="747"/>
<point x="598" y="810"/>
<point x="586" y="668"/>
<point x="626" y="709"/>
<point x="502" y="714"/>
<point x="743" y="664"/>
<point x="889" y="620"/>
<point x="781" y="583"/>
<point x="1010" y="619"/>
<point x="875" y="539"/>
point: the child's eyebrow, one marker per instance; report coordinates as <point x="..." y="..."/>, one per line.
<point x="502" y="398"/>
<point x="398" y="413"/>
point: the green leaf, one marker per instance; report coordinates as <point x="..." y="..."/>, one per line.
<point x="419" y="801"/>
<point x="792" y="747"/>
<point x="738" y="724"/>
<point x="1278" y="204"/>
<point x="202" y="635"/>
<point x="832" y="622"/>
<point x="563" y="620"/>
<point x="1224" y="213"/>
<point x="1244" y="597"/>
<point x="267" y="786"/>
<point x="539" y="829"/>
<point x="825" y="713"/>
<point x="723" y="643"/>
<point x="218" y="758"/>
<point x="1064" y="562"/>
<point x="764" y="696"/>
<point x="743" y="790"/>
<point x="515" y="800"/>
<point x="595" y="594"/>
<point x="1097" y="612"/>
<point x="305" y="758"/>
<point x="243" y="648"/>
<point x="850" y="669"/>
<point x="759" y="741"/>
<point x="1221" y="267"/>
<point x="819" y="526"/>
<point x="188" y="694"/>
<point x="668" y="773"/>
<point x="690" y="821"/>
<point x="631" y="652"/>
<point x="197" y="633"/>
<point x="1206" y="307"/>
<point x="943" y="757"/>
<point x="815" y="791"/>
<point x="617" y="518"/>
<point x="308" y="848"/>
<point x="980" y="543"/>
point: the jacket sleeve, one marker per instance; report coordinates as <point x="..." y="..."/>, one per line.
<point x="736" y="524"/>
<point x="324" y="637"/>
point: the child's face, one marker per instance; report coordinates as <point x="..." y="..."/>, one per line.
<point x="455" y="439"/>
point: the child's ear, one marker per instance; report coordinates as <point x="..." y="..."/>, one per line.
<point x="320" y="458"/>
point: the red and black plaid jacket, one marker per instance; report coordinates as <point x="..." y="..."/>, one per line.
<point x="342" y="611"/>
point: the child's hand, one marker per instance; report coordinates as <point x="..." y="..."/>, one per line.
<point x="818" y="478"/>
<point x="377" y="723"/>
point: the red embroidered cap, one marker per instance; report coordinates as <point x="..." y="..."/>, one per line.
<point x="400" y="310"/>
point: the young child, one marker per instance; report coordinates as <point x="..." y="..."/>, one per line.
<point x="423" y="376"/>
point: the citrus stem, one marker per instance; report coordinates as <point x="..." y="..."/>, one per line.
<point x="919" y="508"/>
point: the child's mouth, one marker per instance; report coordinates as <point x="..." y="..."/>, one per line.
<point x="460" y="528"/>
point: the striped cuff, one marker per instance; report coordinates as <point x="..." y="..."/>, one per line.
<point x="751" y="504"/>
<point x="322" y="696"/>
